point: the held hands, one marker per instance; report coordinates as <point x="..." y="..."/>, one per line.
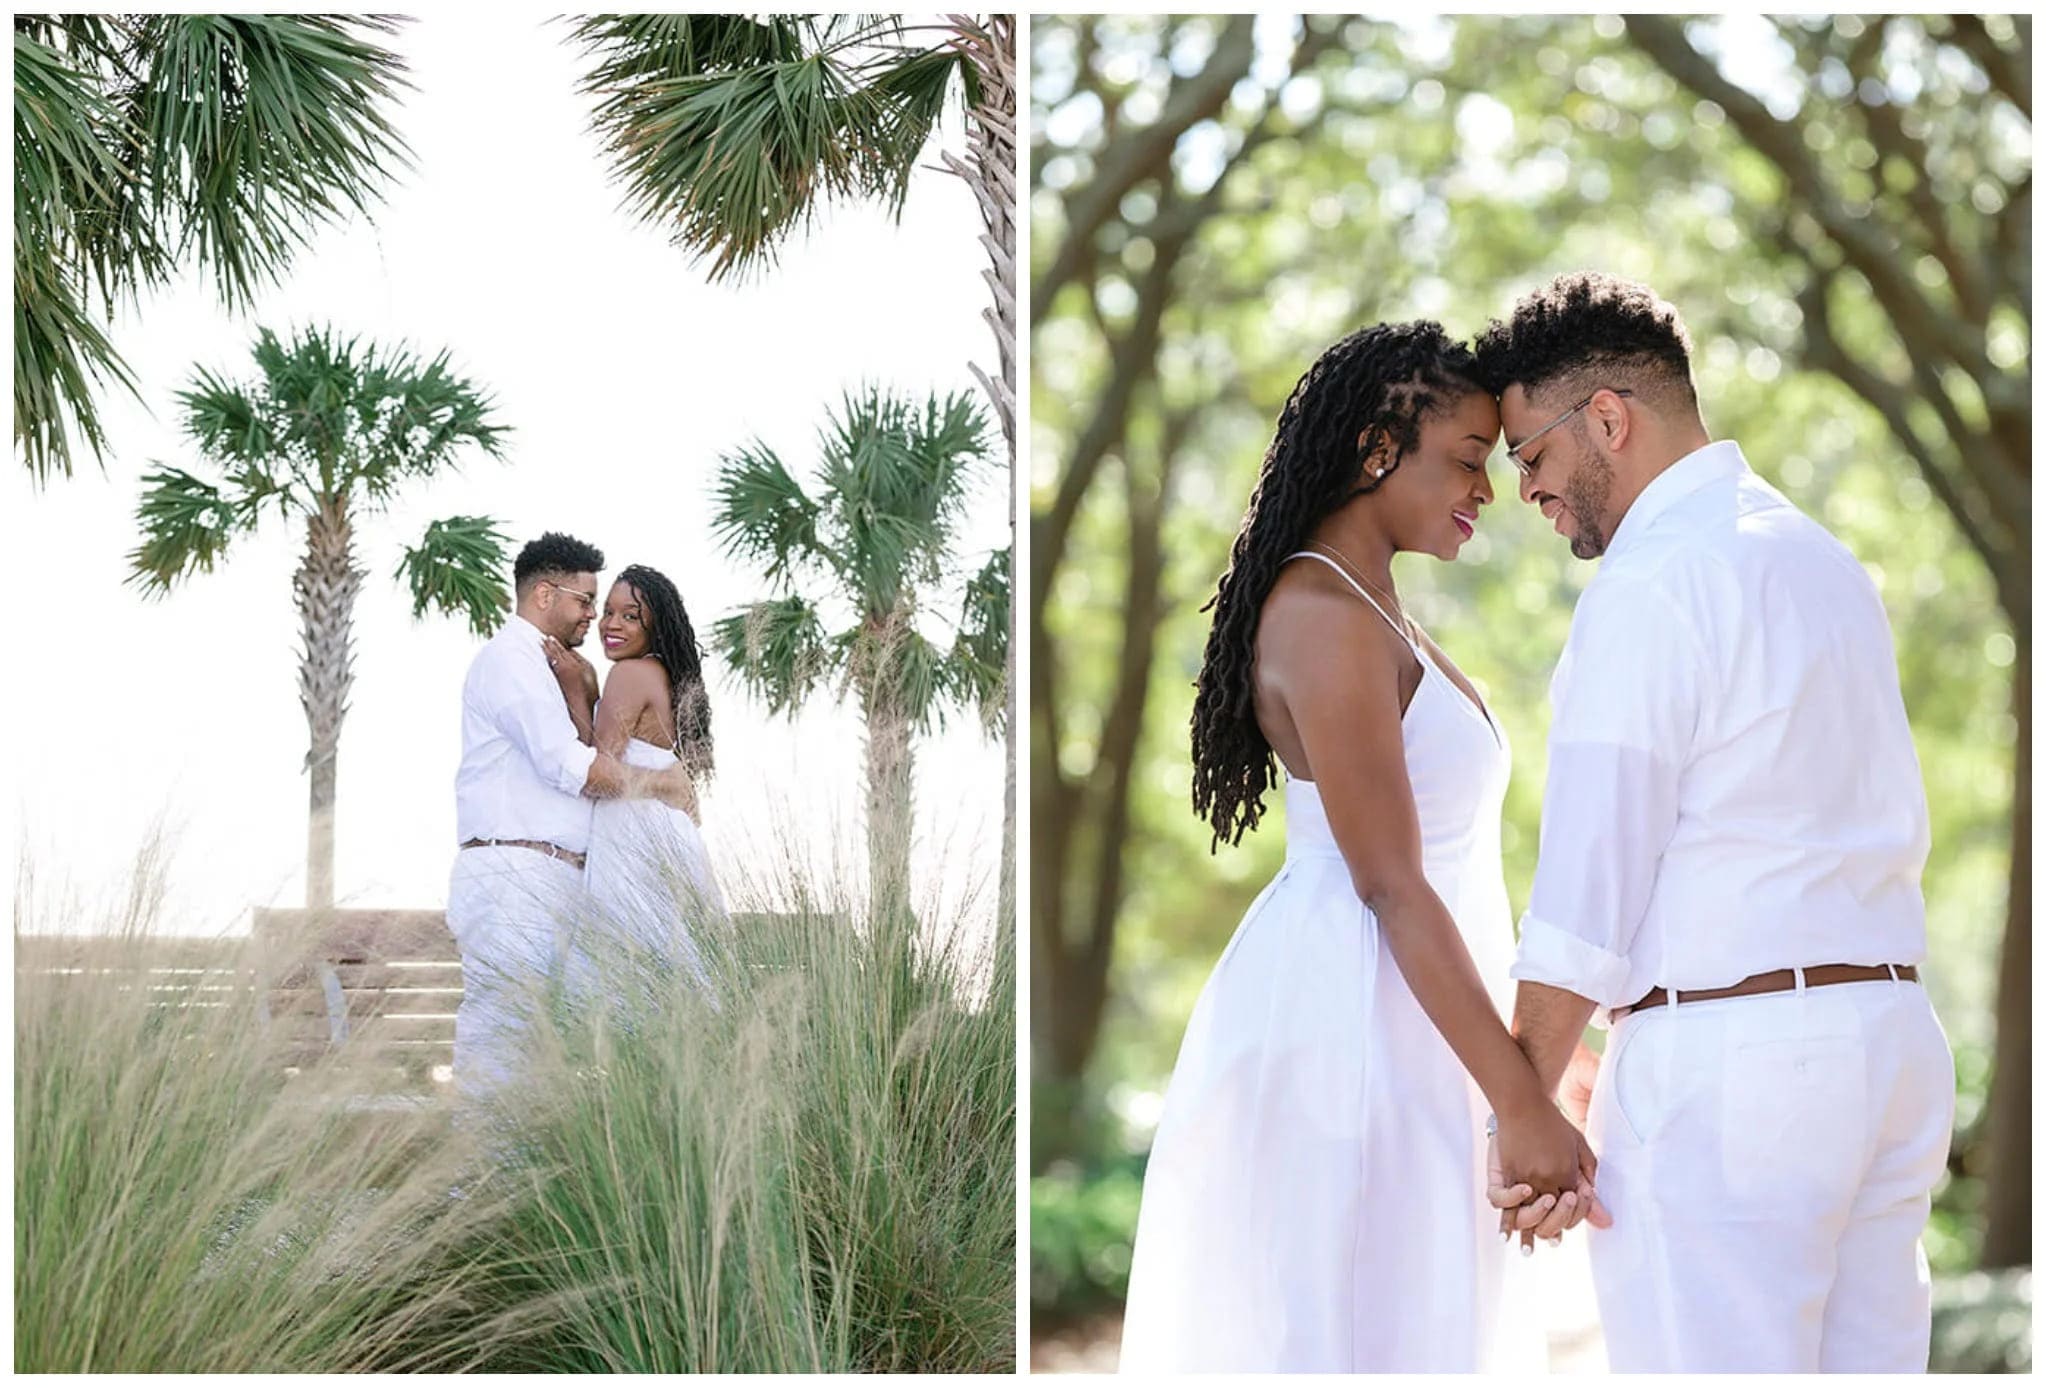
<point x="1547" y="1154"/>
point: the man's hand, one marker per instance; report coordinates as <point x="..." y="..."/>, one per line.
<point x="1574" y="1094"/>
<point x="674" y="787"/>
<point x="1546" y="1216"/>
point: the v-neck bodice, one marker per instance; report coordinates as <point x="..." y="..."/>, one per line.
<point x="1458" y="764"/>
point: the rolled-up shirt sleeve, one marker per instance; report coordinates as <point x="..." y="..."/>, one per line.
<point x="537" y="723"/>
<point x="1625" y="699"/>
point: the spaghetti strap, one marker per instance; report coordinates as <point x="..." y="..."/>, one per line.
<point x="1358" y="589"/>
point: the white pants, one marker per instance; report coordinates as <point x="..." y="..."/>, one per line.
<point x="1769" y="1163"/>
<point x="511" y="911"/>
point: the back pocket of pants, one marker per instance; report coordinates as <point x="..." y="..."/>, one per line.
<point x="1794" y="1123"/>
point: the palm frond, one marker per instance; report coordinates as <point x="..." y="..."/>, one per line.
<point x="64" y="178"/>
<point x="186" y="525"/>
<point x="895" y="477"/>
<point x="410" y="420"/>
<point x="913" y="86"/>
<point x="60" y="354"/>
<point x="259" y="129"/>
<point x="458" y="567"/>
<point x="777" y="646"/>
<point x="142" y="140"/>
<point x="760" y="512"/>
<point x="629" y="47"/>
<point x="977" y="669"/>
<point x="332" y="416"/>
<point x="734" y="133"/>
<point x="899" y="669"/>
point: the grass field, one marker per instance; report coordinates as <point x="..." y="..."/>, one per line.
<point x="813" y="1173"/>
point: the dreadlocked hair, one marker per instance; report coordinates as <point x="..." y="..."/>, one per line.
<point x="672" y="641"/>
<point x="1365" y="396"/>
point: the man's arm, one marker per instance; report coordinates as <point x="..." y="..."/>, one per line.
<point x="536" y="720"/>
<point x="1626" y="709"/>
<point x="1549" y="1023"/>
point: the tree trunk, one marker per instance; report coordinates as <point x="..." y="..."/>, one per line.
<point x="2007" y="1232"/>
<point x="325" y="587"/>
<point x="891" y="764"/>
<point x="990" y="171"/>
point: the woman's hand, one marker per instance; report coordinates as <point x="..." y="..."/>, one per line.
<point x="1540" y="1150"/>
<point x="1548" y="1216"/>
<point x="571" y="671"/>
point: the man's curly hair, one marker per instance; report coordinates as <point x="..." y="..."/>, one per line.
<point x="555" y="555"/>
<point x="1588" y="330"/>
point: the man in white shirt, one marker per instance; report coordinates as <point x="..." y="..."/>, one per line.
<point x="1732" y="834"/>
<point x="523" y="796"/>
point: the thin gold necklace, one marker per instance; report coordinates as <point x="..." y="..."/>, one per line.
<point x="1406" y="623"/>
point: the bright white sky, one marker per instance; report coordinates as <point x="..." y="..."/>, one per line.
<point x="625" y="375"/>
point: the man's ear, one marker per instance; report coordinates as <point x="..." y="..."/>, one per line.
<point x="1610" y="415"/>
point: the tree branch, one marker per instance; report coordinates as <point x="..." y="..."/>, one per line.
<point x="1144" y="155"/>
<point x="1824" y="351"/>
<point x="2010" y="73"/>
<point x="1886" y="129"/>
<point x="1782" y="144"/>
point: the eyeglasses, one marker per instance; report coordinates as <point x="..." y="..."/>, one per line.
<point x="1527" y="469"/>
<point x="588" y="600"/>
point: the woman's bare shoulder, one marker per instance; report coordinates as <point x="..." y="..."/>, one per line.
<point x="641" y="678"/>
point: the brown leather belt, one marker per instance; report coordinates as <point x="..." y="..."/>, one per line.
<point x="1777" y="981"/>
<point x="552" y="850"/>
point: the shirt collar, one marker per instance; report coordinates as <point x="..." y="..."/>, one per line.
<point x="517" y="626"/>
<point x="1696" y="470"/>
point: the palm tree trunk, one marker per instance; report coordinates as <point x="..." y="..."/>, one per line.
<point x="891" y="762"/>
<point x="325" y="587"/>
<point x="990" y="171"/>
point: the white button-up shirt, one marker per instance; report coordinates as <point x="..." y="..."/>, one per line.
<point x="522" y="768"/>
<point x="1732" y="785"/>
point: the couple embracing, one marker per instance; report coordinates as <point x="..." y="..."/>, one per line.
<point x="575" y="808"/>
<point x="1357" y="1148"/>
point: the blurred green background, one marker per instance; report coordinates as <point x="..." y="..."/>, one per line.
<point x="1841" y="208"/>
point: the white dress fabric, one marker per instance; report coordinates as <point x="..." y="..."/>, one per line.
<point x="648" y="874"/>
<point x="1315" y="1198"/>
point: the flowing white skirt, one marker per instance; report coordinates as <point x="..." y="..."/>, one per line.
<point x="1315" y="1196"/>
<point x="650" y="879"/>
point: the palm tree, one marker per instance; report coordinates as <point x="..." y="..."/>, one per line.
<point x="331" y="430"/>
<point x="142" y="142"/>
<point x="892" y="481"/>
<point x="734" y="130"/>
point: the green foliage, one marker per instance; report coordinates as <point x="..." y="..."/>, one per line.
<point x="1346" y="171"/>
<point x="457" y="567"/>
<point x="186" y="526"/>
<point x="146" y="142"/>
<point x="180" y="1204"/>
<point x="1982" y="1323"/>
<point x="893" y="478"/>
<point x="777" y="646"/>
<point x="734" y="131"/>
<point x="330" y="423"/>
<point x="982" y="646"/>
<point x="815" y="1174"/>
<point x="1083" y="1224"/>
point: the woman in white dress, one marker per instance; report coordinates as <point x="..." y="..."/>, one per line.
<point x="1316" y="1198"/>
<point x="647" y="872"/>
